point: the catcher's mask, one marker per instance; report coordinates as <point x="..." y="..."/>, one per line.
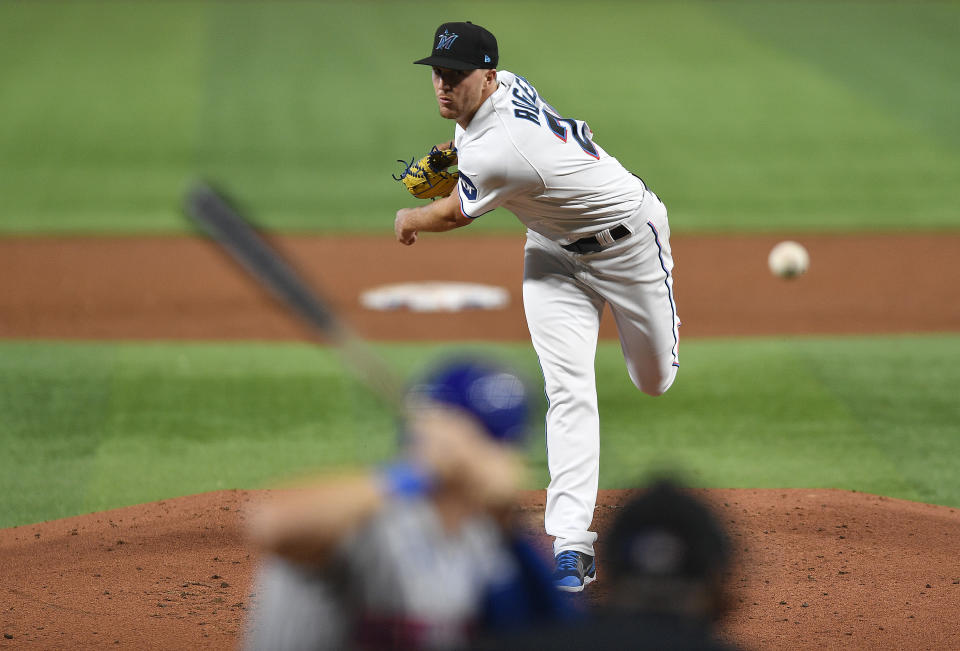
<point x="492" y="394"/>
<point x="462" y="46"/>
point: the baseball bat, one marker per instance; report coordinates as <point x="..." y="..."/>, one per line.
<point x="219" y="217"/>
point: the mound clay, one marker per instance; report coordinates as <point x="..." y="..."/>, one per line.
<point x="815" y="569"/>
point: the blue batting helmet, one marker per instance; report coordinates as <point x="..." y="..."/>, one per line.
<point x="492" y="394"/>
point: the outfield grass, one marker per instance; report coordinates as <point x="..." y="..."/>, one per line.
<point x="91" y="426"/>
<point x="742" y="115"/>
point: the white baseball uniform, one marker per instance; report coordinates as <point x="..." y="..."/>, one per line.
<point x="519" y="153"/>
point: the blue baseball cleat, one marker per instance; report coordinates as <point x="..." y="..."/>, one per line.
<point x="574" y="571"/>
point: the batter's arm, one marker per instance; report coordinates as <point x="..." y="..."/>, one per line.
<point x="435" y="217"/>
<point x="450" y="461"/>
<point x="307" y="524"/>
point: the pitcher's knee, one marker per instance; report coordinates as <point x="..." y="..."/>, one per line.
<point x="658" y="389"/>
<point x="655" y="384"/>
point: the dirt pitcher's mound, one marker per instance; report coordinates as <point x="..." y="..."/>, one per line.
<point x="816" y="569"/>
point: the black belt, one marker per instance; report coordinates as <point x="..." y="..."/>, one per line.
<point x="594" y="244"/>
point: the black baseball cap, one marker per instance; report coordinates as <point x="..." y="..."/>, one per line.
<point x="462" y="46"/>
<point x="667" y="533"/>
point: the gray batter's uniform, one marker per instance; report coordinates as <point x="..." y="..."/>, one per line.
<point x="520" y="153"/>
<point x="402" y="581"/>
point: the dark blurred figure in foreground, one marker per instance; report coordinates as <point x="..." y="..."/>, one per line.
<point x="666" y="558"/>
<point x="418" y="554"/>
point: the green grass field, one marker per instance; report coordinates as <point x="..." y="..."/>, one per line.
<point x="742" y="115"/>
<point x="101" y="425"/>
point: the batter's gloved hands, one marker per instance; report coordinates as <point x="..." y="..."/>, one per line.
<point x="461" y="457"/>
<point x="430" y="177"/>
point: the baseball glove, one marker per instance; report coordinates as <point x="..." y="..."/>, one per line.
<point x="430" y="177"/>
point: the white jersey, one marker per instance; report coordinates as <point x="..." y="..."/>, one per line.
<point x="519" y="153"/>
<point x="400" y="581"/>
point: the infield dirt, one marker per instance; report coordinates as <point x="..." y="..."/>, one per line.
<point x="184" y="288"/>
<point x="816" y="568"/>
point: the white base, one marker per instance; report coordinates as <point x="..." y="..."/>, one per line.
<point x="435" y="296"/>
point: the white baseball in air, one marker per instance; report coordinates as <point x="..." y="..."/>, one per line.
<point x="788" y="259"/>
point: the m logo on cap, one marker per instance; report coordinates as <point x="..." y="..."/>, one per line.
<point x="446" y="40"/>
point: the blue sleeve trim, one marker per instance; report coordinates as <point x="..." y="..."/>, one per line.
<point x="464" y="212"/>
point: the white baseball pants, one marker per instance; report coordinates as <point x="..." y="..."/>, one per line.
<point x="563" y="296"/>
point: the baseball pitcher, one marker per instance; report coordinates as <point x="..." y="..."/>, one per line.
<point x="596" y="235"/>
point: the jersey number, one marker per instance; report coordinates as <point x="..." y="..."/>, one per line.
<point x="579" y="131"/>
